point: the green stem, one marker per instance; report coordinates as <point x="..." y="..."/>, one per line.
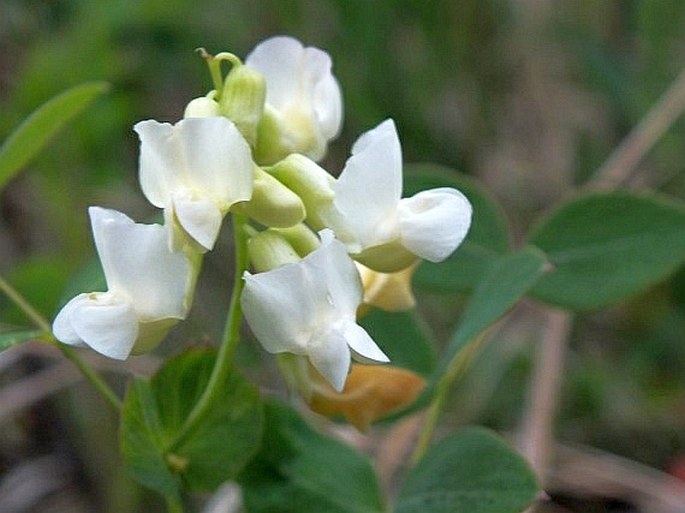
<point x="25" y="306"/>
<point x="42" y="323"/>
<point x="231" y="337"/>
<point x="173" y="504"/>
<point x="214" y="64"/>
<point x="456" y="367"/>
<point x="214" y="71"/>
<point x="90" y="375"/>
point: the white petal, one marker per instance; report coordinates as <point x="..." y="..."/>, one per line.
<point x="333" y="268"/>
<point x="324" y="92"/>
<point x="279" y="309"/>
<point x="217" y="158"/>
<point x="161" y="161"/>
<point x="328" y="106"/>
<point x="110" y="328"/>
<point x="306" y="307"/>
<point x="62" y="327"/>
<point x="300" y="79"/>
<point x="139" y="266"/>
<point x="279" y="60"/>
<point x="363" y="346"/>
<point x="369" y="189"/>
<point x="200" y="218"/>
<point x="433" y="223"/>
<point x="330" y="355"/>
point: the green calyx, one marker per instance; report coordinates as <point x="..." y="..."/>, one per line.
<point x="311" y="183"/>
<point x="240" y="96"/>
<point x="272" y="203"/>
<point x="269" y="249"/>
<point x="242" y="100"/>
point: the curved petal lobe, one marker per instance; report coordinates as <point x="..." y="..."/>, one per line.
<point x="199" y="218"/>
<point x="433" y="223"/>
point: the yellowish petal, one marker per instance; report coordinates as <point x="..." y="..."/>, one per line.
<point x="388" y="291"/>
<point x="371" y="392"/>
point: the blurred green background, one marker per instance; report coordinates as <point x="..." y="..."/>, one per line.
<point x="529" y="97"/>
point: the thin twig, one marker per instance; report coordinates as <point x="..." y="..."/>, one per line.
<point x="625" y="158"/>
<point x="537" y="437"/>
<point x="599" y="473"/>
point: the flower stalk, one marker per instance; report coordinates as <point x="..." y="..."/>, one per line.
<point x="455" y="369"/>
<point x="67" y="351"/>
<point x="230" y="339"/>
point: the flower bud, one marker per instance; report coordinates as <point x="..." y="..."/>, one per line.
<point x="269" y="250"/>
<point x="272" y="203"/>
<point x="309" y="181"/>
<point x="202" y="107"/>
<point x="313" y="185"/>
<point x="242" y="100"/>
<point x="301" y="238"/>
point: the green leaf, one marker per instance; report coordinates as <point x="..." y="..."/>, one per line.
<point x="33" y="134"/>
<point x="13" y="338"/>
<point x="607" y="246"/>
<point x="488" y="237"/>
<point x="298" y="470"/>
<point x="402" y="338"/>
<point x="473" y="471"/>
<point x="508" y="280"/>
<point x="220" y="448"/>
<point x="142" y="447"/>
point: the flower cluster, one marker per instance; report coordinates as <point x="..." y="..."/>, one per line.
<point x="319" y="246"/>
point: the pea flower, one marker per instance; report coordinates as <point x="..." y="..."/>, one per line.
<point x="149" y="289"/>
<point x="393" y="232"/>
<point x="195" y="170"/>
<point x="303" y="108"/>
<point x="308" y="308"/>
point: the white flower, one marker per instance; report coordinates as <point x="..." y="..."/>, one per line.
<point x="149" y="289"/>
<point x="303" y="99"/>
<point x="195" y="170"/>
<point x="309" y="308"/>
<point x="392" y="232"/>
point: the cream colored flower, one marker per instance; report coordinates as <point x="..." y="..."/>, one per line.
<point x="308" y="308"/>
<point x="149" y="288"/>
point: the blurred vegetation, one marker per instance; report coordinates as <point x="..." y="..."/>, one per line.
<point x="528" y="97"/>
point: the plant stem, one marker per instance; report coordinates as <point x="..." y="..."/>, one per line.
<point x="90" y="375"/>
<point x="42" y="323"/>
<point x="25" y="306"/>
<point x="456" y="367"/>
<point x="231" y="337"/>
<point x="173" y="504"/>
